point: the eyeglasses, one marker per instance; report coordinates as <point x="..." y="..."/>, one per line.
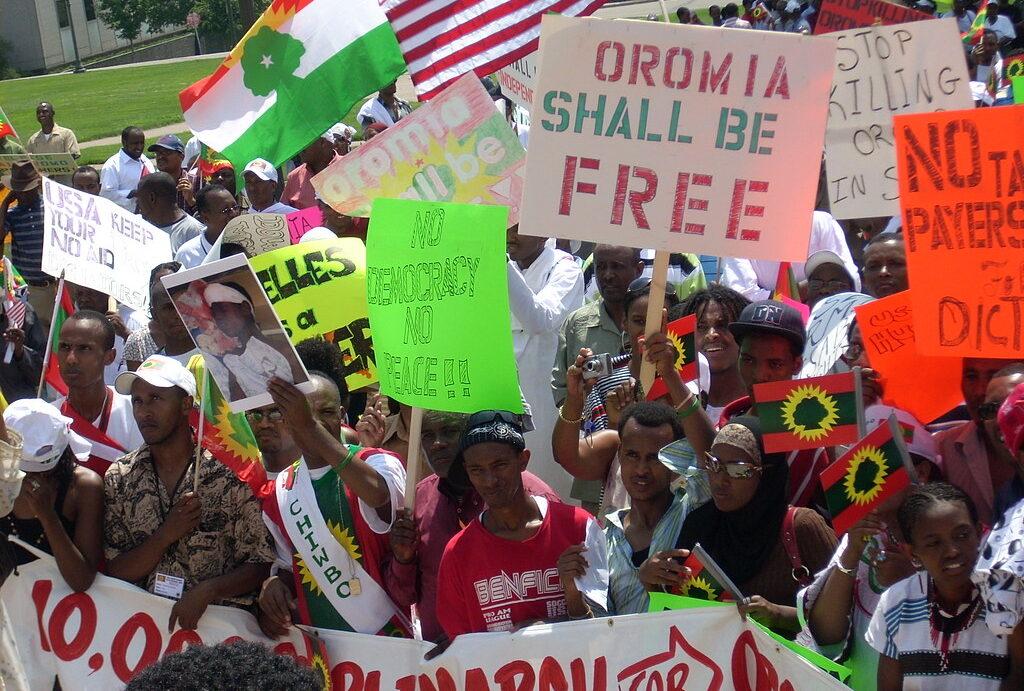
<point x="231" y="210"/>
<point x="737" y="470"/>
<point x="852" y="353"/>
<point x="988" y="411"/>
<point x="274" y="415"/>
<point x="833" y="284"/>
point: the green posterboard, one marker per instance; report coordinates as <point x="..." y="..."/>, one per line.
<point x="437" y="290"/>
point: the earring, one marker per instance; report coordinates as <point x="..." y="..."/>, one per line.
<point x="916" y="563"/>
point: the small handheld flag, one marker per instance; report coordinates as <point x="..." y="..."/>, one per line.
<point x="707" y="580"/>
<point x="875" y="468"/>
<point x="63" y="308"/>
<point x="681" y="334"/>
<point x="6" y="128"/>
<point x="810" y="413"/>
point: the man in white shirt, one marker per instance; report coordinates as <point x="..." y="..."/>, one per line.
<point x="999" y="23"/>
<point x="98" y="413"/>
<point x="261" y="188"/>
<point x="215" y="206"/>
<point x="963" y="14"/>
<point x="122" y="171"/>
<point x="731" y="18"/>
<point x="544" y="286"/>
<point x="755" y="278"/>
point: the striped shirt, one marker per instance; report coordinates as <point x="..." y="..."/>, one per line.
<point x="626" y="595"/>
<point x="901" y="629"/>
<point x="25" y="225"/>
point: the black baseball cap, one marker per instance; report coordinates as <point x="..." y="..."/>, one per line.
<point x="770" y="317"/>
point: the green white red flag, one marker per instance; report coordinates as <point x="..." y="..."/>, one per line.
<point x="810" y="413"/>
<point x="295" y="73"/>
<point x="63" y="308"/>
<point x="874" y="469"/>
<point x="6" y="128"/>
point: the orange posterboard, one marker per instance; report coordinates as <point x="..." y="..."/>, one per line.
<point x="924" y="386"/>
<point x="961" y="178"/>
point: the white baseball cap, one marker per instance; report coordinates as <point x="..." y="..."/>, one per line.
<point x="822" y="257"/>
<point x="160" y="371"/>
<point x="218" y="292"/>
<point x="45" y="434"/>
<point x="919" y="441"/>
<point x="318" y="233"/>
<point x="262" y="168"/>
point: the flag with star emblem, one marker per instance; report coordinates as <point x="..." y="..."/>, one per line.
<point x="6" y="128"/>
<point x="810" y="413"/>
<point x="295" y="73"/>
<point x="681" y="334"/>
<point x="875" y="468"/>
<point x="701" y="584"/>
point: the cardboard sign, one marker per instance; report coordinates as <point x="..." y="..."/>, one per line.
<point x="319" y="288"/>
<point x="97" y="244"/>
<point x="230" y="318"/>
<point x="302" y="220"/>
<point x="961" y="182"/>
<point x="517" y="81"/>
<point x="456" y="148"/>
<point x="882" y="70"/>
<point x="98" y="640"/>
<point x="680" y="138"/>
<point x="925" y="387"/>
<point x="46" y="164"/>
<point x="840" y="15"/>
<point x="257" y="233"/>
<point x="437" y="288"/>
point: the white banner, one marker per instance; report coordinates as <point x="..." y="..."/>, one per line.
<point x="882" y="71"/>
<point x="680" y="138"/>
<point x="99" y="639"/>
<point x="99" y="245"/>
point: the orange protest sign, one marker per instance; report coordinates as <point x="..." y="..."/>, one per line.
<point x="926" y="387"/>
<point x="961" y="177"/>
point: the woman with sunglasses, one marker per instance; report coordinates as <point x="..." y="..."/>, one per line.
<point x="766" y="547"/>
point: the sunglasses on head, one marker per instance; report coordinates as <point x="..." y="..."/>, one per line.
<point x="486" y="416"/>
<point x="737" y="470"/>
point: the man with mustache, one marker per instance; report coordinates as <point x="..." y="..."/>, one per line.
<point x="99" y="413"/>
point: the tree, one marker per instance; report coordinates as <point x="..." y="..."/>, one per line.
<point x="125" y="17"/>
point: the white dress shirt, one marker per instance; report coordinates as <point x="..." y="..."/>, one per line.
<point x="275" y="208"/>
<point x="756" y="278"/>
<point x="120" y="176"/>
<point x="193" y="252"/>
<point x="541" y="297"/>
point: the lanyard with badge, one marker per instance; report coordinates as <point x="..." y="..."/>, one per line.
<point x="166" y="584"/>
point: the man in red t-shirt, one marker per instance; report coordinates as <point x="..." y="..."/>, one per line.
<point x="524" y="559"/>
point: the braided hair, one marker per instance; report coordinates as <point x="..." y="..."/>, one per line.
<point x="922" y="497"/>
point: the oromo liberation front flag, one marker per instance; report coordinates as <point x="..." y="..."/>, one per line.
<point x="295" y="73"/>
<point x="809" y="413"/>
<point x="681" y="334"/>
<point x="444" y="39"/>
<point x="877" y="467"/>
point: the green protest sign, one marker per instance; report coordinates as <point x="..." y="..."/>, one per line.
<point x="319" y="289"/>
<point x="437" y="290"/>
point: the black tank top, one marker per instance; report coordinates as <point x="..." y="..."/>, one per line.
<point x="30" y="530"/>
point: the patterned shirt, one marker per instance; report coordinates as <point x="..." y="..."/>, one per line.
<point x="25" y="224"/>
<point x="230" y="533"/>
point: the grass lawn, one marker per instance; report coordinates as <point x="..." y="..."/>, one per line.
<point x="100" y="103"/>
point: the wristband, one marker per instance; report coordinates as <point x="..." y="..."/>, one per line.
<point x="353" y="449"/>
<point x="685" y="410"/>
<point x="563" y="418"/>
<point x="845" y="571"/>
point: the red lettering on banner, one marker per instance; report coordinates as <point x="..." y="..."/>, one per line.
<point x="40" y="595"/>
<point x="765" y="676"/>
<point x="569" y="184"/>
<point x="348" y="676"/>
<point x="86" y="626"/>
<point x="617" y="60"/>
<point x="551" y="677"/>
<point x="647" y="668"/>
<point x="680" y="204"/>
<point x="140" y="621"/>
<point x="737" y="209"/>
<point x="445" y="682"/>
<point x="508" y="673"/>
<point x="182" y="638"/>
<point x="637" y="198"/>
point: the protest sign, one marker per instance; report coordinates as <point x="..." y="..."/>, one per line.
<point x="961" y="184"/>
<point x="319" y="288"/>
<point x="840" y="15"/>
<point x="230" y="318"/>
<point x="925" y="387"/>
<point x="456" y="148"/>
<point x="46" y="164"/>
<point x="302" y="220"/>
<point x="681" y="138"/>
<point x="257" y="233"/>
<point x="95" y="243"/>
<point x="98" y="640"/>
<point x="437" y="288"/>
<point x="517" y="81"/>
<point x="882" y="70"/>
<point x="827" y="332"/>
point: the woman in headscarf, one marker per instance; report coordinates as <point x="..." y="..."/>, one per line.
<point x="766" y="547"/>
<point x="60" y="507"/>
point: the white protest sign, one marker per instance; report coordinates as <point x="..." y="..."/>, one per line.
<point x="680" y="138"/>
<point x="827" y="332"/>
<point x="99" y="639"/>
<point x="517" y="81"/>
<point x="99" y="245"/>
<point x="916" y="67"/>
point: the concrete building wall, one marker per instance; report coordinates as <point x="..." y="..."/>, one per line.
<point x="19" y="27"/>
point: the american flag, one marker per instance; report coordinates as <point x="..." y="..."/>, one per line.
<point x="14" y="304"/>
<point x="444" y="39"/>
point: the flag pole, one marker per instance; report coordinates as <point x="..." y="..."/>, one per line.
<point x="858" y="392"/>
<point x="199" y="431"/>
<point x="49" y="338"/>
<point x="412" y="462"/>
<point x="655" y="305"/>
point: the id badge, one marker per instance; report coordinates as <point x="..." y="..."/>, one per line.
<point x="168" y="586"/>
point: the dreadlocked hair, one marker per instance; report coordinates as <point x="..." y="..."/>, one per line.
<point x="731" y="302"/>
